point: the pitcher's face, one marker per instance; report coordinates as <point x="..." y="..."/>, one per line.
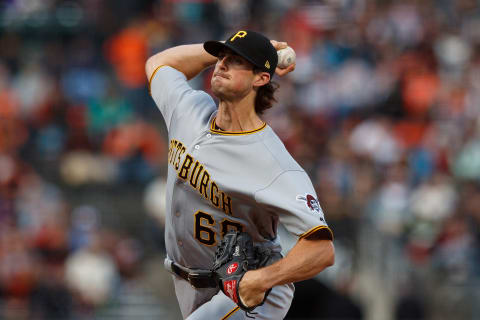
<point x="233" y="76"/>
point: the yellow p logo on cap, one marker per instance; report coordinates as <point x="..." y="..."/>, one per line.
<point x="239" y="34"/>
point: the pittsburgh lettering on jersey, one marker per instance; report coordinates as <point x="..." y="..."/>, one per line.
<point x="193" y="172"/>
<point x="175" y="152"/>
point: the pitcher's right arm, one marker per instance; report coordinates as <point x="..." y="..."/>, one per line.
<point x="188" y="59"/>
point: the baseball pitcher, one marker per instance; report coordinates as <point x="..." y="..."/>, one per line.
<point x="231" y="182"/>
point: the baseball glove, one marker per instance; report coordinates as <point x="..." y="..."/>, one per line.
<point x="233" y="258"/>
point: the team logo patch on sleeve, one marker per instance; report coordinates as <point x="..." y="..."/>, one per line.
<point x="311" y="203"/>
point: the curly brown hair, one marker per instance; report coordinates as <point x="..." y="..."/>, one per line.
<point x="265" y="95"/>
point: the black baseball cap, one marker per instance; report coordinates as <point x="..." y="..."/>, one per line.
<point x="251" y="45"/>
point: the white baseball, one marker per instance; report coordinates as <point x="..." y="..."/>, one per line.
<point x="285" y="57"/>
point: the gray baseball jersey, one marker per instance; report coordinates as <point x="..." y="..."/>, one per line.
<point x="218" y="181"/>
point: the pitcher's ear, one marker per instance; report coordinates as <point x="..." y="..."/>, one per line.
<point x="262" y="78"/>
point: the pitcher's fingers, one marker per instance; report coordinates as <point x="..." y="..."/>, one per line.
<point x="278" y="45"/>
<point x="282" y="72"/>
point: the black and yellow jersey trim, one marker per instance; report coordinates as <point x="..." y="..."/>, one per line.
<point x="228" y="315"/>
<point x="317" y="229"/>
<point x="151" y="77"/>
<point x="228" y="133"/>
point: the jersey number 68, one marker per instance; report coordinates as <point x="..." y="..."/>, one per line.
<point x="205" y="231"/>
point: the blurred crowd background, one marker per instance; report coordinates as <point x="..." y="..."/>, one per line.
<point x="382" y="111"/>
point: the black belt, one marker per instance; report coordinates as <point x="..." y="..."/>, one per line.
<point x="201" y="278"/>
<point x="198" y="278"/>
